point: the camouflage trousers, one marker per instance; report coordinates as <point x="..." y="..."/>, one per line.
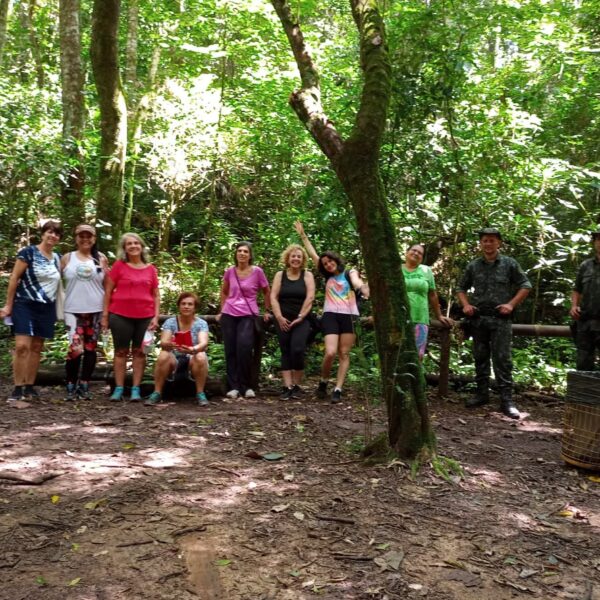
<point x="587" y="341"/>
<point x="492" y="338"/>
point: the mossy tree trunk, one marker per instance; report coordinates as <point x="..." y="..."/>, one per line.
<point x="104" y="52"/>
<point x="356" y="163"/>
<point x="72" y="80"/>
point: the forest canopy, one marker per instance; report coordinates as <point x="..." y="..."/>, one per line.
<point x="493" y="121"/>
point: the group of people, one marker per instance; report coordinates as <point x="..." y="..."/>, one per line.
<point x="125" y="299"/>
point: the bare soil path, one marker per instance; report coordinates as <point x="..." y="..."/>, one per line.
<point x="176" y="502"/>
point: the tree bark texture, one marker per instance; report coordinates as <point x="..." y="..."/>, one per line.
<point x="131" y="52"/>
<point x="113" y="114"/>
<point x="4" y="5"/>
<point x="35" y="45"/>
<point x="139" y="118"/>
<point x="356" y="163"/>
<point x="73" y="109"/>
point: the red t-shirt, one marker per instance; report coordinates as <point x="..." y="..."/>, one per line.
<point x="133" y="295"/>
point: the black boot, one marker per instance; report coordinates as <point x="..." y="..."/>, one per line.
<point x="507" y="406"/>
<point x="481" y="397"/>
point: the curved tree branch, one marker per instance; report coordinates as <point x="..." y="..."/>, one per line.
<point x="306" y="101"/>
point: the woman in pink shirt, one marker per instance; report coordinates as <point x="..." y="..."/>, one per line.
<point x="241" y="284"/>
<point x="131" y="306"/>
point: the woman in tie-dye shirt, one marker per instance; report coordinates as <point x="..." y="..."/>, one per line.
<point x="339" y="313"/>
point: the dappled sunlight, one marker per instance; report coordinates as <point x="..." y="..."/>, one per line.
<point x="487" y="476"/>
<point x="539" y="427"/>
<point x="52" y="428"/>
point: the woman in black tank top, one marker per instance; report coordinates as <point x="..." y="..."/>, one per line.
<point x="292" y="295"/>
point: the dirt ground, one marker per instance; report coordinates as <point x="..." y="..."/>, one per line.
<point x="177" y="502"/>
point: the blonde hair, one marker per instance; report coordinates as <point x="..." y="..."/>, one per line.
<point x="285" y="255"/>
<point x="122" y="255"/>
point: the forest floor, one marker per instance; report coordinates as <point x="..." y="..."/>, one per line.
<point x="177" y="502"/>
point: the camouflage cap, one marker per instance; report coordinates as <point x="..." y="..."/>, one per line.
<point x="490" y="231"/>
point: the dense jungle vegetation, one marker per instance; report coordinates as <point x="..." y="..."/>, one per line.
<point x="493" y="120"/>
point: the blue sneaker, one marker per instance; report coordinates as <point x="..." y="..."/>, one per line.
<point x="83" y="391"/>
<point x="70" y="396"/>
<point x="117" y="394"/>
<point x="135" y="395"/>
<point x="152" y="399"/>
<point x="201" y="399"/>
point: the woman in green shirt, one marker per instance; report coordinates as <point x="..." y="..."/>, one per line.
<point x="420" y="288"/>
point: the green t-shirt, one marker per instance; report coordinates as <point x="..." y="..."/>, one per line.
<point x="418" y="285"/>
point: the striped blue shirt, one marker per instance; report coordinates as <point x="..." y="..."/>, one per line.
<point x="39" y="282"/>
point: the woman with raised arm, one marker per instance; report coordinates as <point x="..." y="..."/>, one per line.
<point x="420" y="289"/>
<point x="339" y="313"/>
<point x="131" y="307"/>
<point x="239" y="308"/>
<point x="31" y="304"/>
<point x="83" y="271"/>
<point x="292" y="296"/>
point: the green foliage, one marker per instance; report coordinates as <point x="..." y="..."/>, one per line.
<point x="494" y="120"/>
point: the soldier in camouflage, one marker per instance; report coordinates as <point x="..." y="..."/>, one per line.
<point x="498" y="286"/>
<point x="585" y="308"/>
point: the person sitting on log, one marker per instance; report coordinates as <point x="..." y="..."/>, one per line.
<point x="183" y="343"/>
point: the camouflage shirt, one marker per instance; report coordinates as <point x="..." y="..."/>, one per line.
<point x="588" y="285"/>
<point x="494" y="282"/>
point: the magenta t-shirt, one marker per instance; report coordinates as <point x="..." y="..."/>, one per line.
<point x="236" y="304"/>
<point x="133" y="295"/>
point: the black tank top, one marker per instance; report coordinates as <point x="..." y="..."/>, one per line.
<point x="291" y="295"/>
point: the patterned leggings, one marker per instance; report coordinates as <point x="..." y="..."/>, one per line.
<point x="83" y="337"/>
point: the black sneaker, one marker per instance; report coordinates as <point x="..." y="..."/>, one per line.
<point x="30" y="392"/>
<point x="286" y="393"/>
<point x="336" y="396"/>
<point x="17" y="394"/>
<point x="297" y="392"/>
<point x="322" y="390"/>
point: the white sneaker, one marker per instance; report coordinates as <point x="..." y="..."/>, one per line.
<point x="250" y="393"/>
<point x="233" y="394"/>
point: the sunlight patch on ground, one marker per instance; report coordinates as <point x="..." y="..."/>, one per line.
<point x="538" y="427"/>
<point x="52" y="428"/>
<point x="164" y="459"/>
<point x="487" y="476"/>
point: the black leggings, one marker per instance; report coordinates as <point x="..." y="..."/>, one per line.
<point x="87" y="368"/>
<point x="293" y="346"/>
<point x="238" y="339"/>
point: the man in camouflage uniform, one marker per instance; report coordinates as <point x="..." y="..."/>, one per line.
<point x="585" y="308"/>
<point x="498" y="285"/>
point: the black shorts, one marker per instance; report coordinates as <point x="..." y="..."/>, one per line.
<point x="337" y="323"/>
<point x="127" y="331"/>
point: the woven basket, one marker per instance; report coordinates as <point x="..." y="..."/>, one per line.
<point x="581" y="423"/>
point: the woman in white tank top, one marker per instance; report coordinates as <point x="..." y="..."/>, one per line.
<point x="83" y="271"/>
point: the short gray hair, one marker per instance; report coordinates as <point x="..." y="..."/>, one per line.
<point x="122" y="255"/>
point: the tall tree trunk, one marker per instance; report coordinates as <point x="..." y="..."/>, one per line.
<point x="132" y="46"/>
<point x="113" y="113"/>
<point x="356" y="163"/>
<point x="34" y="44"/>
<point x="4" y="5"/>
<point x="143" y="108"/>
<point x="73" y="106"/>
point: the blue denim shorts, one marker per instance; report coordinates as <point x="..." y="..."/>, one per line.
<point x="32" y="318"/>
